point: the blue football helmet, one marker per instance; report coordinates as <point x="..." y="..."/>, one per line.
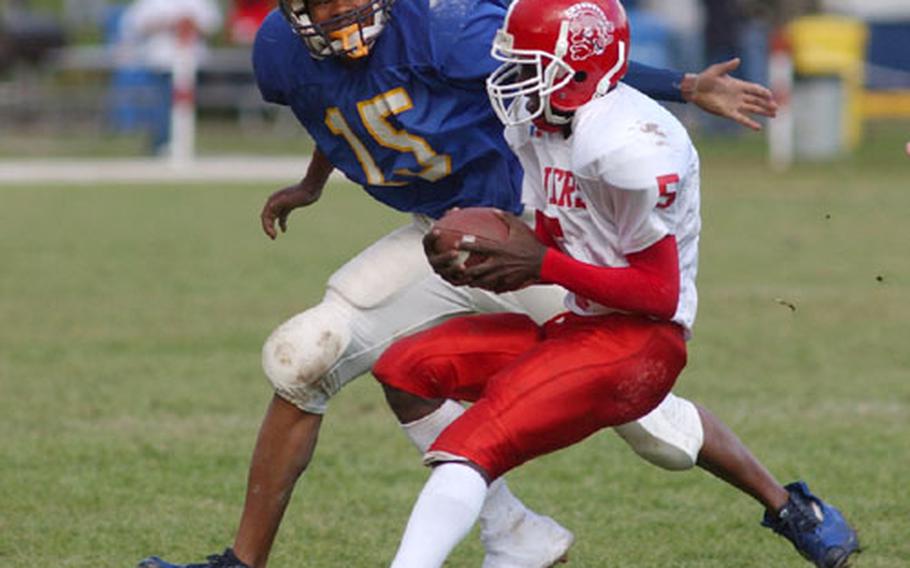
<point x="350" y="34"/>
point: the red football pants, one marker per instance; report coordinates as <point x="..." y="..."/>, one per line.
<point x="536" y="389"/>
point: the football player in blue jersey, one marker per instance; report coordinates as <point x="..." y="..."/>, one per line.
<point x="393" y="94"/>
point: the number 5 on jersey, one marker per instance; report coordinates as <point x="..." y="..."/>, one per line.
<point x="373" y="113"/>
<point x="668" y="186"/>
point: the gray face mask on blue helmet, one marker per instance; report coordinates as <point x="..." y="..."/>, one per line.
<point x="350" y="34"/>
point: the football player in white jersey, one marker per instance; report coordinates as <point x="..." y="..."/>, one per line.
<point x="614" y="180"/>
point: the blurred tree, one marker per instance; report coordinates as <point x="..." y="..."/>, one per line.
<point x="84" y="13"/>
<point x="27" y="36"/>
<point x="723" y="23"/>
<point x="778" y="12"/>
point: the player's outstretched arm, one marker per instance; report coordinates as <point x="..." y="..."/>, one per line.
<point x="712" y="90"/>
<point x="280" y="204"/>
<point x="716" y="91"/>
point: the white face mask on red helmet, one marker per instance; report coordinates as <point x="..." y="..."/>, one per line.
<point x="350" y="34"/>
<point x="557" y="55"/>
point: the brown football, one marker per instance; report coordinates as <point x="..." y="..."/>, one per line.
<point x="477" y="223"/>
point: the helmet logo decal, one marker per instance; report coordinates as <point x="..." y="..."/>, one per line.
<point x="590" y="32"/>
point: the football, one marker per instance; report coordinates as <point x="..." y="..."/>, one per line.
<point x="469" y="224"/>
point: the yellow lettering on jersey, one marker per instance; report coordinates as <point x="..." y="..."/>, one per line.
<point x="339" y="127"/>
<point x="374" y="112"/>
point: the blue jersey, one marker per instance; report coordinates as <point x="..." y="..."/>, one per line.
<point x="411" y="122"/>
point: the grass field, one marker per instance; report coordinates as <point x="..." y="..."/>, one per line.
<point x="130" y="391"/>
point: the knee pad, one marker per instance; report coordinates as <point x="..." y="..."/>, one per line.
<point x="669" y="437"/>
<point x="299" y="353"/>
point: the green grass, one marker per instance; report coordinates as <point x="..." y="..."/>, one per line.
<point x="130" y="389"/>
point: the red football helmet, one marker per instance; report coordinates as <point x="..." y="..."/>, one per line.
<point x="558" y="55"/>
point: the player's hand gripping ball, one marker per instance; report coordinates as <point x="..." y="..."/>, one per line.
<point x="472" y="224"/>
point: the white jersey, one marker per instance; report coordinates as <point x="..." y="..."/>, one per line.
<point x="627" y="177"/>
<point x="149" y="29"/>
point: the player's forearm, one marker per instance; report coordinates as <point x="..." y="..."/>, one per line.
<point x="319" y="170"/>
<point x="660" y="84"/>
<point x="648" y="286"/>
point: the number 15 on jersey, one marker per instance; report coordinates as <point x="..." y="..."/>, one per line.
<point x="374" y="114"/>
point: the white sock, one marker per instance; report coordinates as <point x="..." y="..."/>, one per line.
<point x="501" y="506"/>
<point x="501" y="509"/>
<point x="445" y="511"/>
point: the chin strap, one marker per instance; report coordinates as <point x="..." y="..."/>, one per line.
<point x="351" y="39"/>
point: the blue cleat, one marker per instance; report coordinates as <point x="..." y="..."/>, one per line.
<point x="817" y="530"/>
<point x="226" y="559"/>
